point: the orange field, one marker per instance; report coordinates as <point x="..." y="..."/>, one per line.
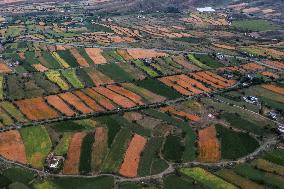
<point x="274" y="88"/>
<point x="194" y="83"/>
<point x="223" y="46"/>
<point x="270" y="74"/>
<point x="88" y="100"/>
<point x="208" y="80"/>
<point x="131" y="160"/>
<point x="124" y="92"/>
<point x="178" y="88"/>
<point x="275" y="64"/>
<point x="76" y="102"/>
<point x="116" y="98"/>
<point x="99" y="78"/>
<point x="95" y="55"/>
<point x="60" y="105"/>
<point x="4" y="68"/>
<point x="40" y="67"/>
<point x="124" y="54"/>
<point x="12" y="146"/>
<point x="103" y="101"/>
<point x="208" y="145"/>
<point x="252" y="66"/>
<point x="188" y="116"/>
<point x="144" y="53"/>
<point x="36" y="109"/>
<point x="71" y="164"/>
<point x="79" y="57"/>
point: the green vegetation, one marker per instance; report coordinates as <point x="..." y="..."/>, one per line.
<point x="230" y="149"/>
<point x="118" y="148"/>
<point x="140" y="64"/>
<point x="51" y="62"/>
<point x="180" y="182"/>
<point x="62" y="146"/>
<point x="254" y="25"/>
<point x="37" y="144"/>
<point x="207" y="179"/>
<point x="4" y="181"/>
<point x="208" y="60"/>
<point x="72" y="78"/>
<point x="13" y="111"/>
<point x="84" y="78"/>
<point x="85" y="56"/>
<point x="86" y="153"/>
<point x="1" y="87"/>
<point x="115" y="72"/>
<point x="275" y="156"/>
<point x="192" y="59"/>
<point x="68" y="57"/>
<point x="16" y="174"/>
<point x="268" y="179"/>
<point x="159" y="88"/>
<point x="173" y="148"/>
<point x="70" y="126"/>
<point x="55" y="77"/>
<point x="112" y="56"/>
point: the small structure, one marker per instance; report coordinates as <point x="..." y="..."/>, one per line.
<point x="251" y="99"/>
<point x="53" y="163"/>
<point x="273" y="115"/>
<point x="205" y="9"/>
<point x="281" y="128"/>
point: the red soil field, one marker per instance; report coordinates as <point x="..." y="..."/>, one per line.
<point x="99" y="78"/>
<point x="208" y="145"/>
<point x="131" y="160"/>
<point x="36" y="109"/>
<point x="12" y="146"/>
<point x="124" y="92"/>
<point x="275" y="64"/>
<point x="230" y="82"/>
<point x="178" y="88"/>
<point x="60" y="105"/>
<point x="76" y="102"/>
<point x="195" y="83"/>
<point x="40" y="67"/>
<point x="116" y="98"/>
<point x="103" y="101"/>
<point x="95" y="55"/>
<point x="124" y="54"/>
<point x="88" y="100"/>
<point x="71" y="164"/>
<point x="270" y="74"/>
<point x="182" y="114"/>
<point x="274" y="88"/>
<point x="252" y="66"/>
<point x="144" y="53"/>
<point x="198" y="77"/>
<point x="186" y="85"/>
<point x="212" y="79"/>
<point x="4" y="68"/>
<point x="81" y="60"/>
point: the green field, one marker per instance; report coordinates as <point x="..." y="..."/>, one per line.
<point x="208" y="60"/>
<point x="115" y="72"/>
<point x="159" y="88"/>
<point x="140" y="64"/>
<point x="173" y="148"/>
<point x="62" y="147"/>
<point x="68" y="57"/>
<point x="13" y="111"/>
<point x="86" y="154"/>
<point x="254" y="25"/>
<point x="180" y="182"/>
<point x="72" y="78"/>
<point x="193" y="59"/>
<point x="230" y="149"/>
<point x="37" y="144"/>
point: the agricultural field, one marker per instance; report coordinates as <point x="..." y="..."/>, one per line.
<point x="141" y="94"/>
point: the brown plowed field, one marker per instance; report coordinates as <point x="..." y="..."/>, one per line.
<point x="212" y="79"/>
<point x="60" y="105"/>
<point x="4" y="68"/>
<point x="195" y="76"/>
<point x="99" y="149"/>
<point x="124" y="54"/>
<point x="95" y="55"/>
<point x="98" y="77"/>
<point x="103" y="101"/>
<point x="230" y="82"/>
<point x="275" y="64"/>
<point x="88" y="100"/>
<point x="270" y="74"/>
<point x="116" y="98"/>
<point x="81" y="60"/>
<point x="40" y="67"/>
<point x="131" y="160"/>
<point x="133" y="116"/>
<point x="148" y="95"/>
<point x="12" y="146"/>
<point x="36" y="109"/>
<point x="76" y="102"/>
<point x="182" y="61"/>
<point x="195" y="83"/>
<point x="175" y="86"/>
<point x="71" y="164"/>
<point x="144" y="53"/>
<point x="124" y="92"/>
<point x="186" y="85"/>
<point x="181" y="114"/>
<point x="274" y="88"/>
<point x="208" y="145"/>
<point x="252" y="66"/>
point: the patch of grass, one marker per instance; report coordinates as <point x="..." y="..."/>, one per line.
<point x="62" y="147"/>
<point x="192" y="59"/>
<point x="206" y="179"/>
<point x="263" y="178"/>
<point x="72" y="78"/>
<point x="230" y="149"/>
<point x="159" y="88"/>
<point x="173" y="148"/>
<point x="86" y="153"/>
<point x="112" y="56"/>
<point x="158" y="166"/>
<point x="4" y="181"/>
<point x="180" y="182"/>
<point x="140" y="64"/>
<point x="52" y="62"/>
<point x="17" y="174"/>
<point x="13" y="111"/>
<point x="275" y="156"/>
<point x="85" y="56"/>
<point x="102" y="182"/>
<point x="84" y="78"/>
<point x="115" y="72"/>
<point x="254" y="25"/>
<point x="68" y="57"/>
<point x="69" y="126"/>
<point x="208" y="60"/>
<point x="55" y="77"/>
<point x="37" y="144"/>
